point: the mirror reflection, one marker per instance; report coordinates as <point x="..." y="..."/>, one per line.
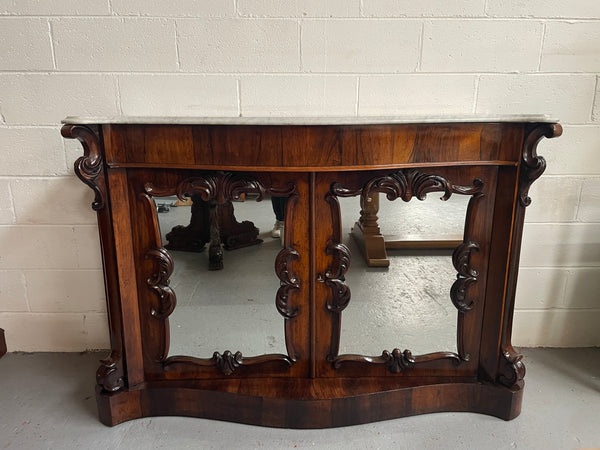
<point x="231" y="307"/>
<point x="406" y="305"/>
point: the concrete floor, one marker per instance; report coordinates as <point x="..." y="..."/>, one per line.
<point x="47" y="402"/>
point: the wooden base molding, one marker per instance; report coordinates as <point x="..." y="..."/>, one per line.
<point x="333" y="407"/>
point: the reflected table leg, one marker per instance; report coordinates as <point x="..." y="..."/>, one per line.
<point x="368" y="235"/>
<point x="214" y="224"/>
<point x="373" y="244"/>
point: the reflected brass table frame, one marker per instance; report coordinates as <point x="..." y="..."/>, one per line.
<point x="129" y="162"/>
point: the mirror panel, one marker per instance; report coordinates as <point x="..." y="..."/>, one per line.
<point x="228" y="309"/>
<point x="406" y="305"/>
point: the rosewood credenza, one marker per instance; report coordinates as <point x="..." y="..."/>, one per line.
<point x="130" y="162"/>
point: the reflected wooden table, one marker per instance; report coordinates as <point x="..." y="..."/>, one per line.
<point x="214" y="224"/>
<point x="130" y="162"/>
<point x="373" y="245"/>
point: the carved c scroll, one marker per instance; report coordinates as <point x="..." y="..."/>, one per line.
<point x="159" y="282"/>
<point x="288" y="280"/>
<point x="334" y="276"/>
<point x="512" y="369"/>
<point x="532" y="165"/>
<point x="89" y="167"/>
<point x="466" y="276"/>
<point x="110" y="373"/>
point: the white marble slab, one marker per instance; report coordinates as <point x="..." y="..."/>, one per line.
<point x="323" y="120"/>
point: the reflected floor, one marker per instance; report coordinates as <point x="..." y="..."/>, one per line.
<point x="405" y="306"/>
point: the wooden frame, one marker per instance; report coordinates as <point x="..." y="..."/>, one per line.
<point x="128" y="163"/>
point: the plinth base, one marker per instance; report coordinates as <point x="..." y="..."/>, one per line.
<point x="304" y="411"/>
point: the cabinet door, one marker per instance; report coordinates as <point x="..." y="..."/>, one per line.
<point x="248" y="319"/>
<point x="422" y="315"/>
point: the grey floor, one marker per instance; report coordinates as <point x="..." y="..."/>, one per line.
<point x="47" y="402"/>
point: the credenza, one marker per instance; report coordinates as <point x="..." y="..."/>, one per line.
<point x="133" y="162"/>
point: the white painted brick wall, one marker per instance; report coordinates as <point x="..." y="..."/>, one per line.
<point x="434" y="8"/>
<point x="40" y="98"/>
<point x="174" y="8"/>
<point x="299" y="57"/>
<point x="576" y="152"/>
<point x="299" y="8"/>
<point x="387" y="46"/>
<point x="589" y="206"/>
<point x="569" y="97"/>
<point x="571" y="47"/>
<point x="572" y="9"/>
<point x="289" y="95"/>
<point x="54" y="7"/>
<point x="33" y="151"/>
<point x="416" y="94"/>
<point x="239" y="45"/>
<point x="114" y="45"/>
<point x="7" y="211"/>
<point x="481" y="46"/>
<point x="25" y="44"/>
<point x="189" y="95"/>
<point x="13" y="292"/>
<point x="596" y="110"/>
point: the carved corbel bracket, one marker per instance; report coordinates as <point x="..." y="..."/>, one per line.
<point x="90" y="167"/>
<point x="532" y="165"/>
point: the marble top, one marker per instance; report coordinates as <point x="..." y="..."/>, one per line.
<point x="318" y="120"/>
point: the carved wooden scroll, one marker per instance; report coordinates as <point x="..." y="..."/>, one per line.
<point x="89" y="167"/>
<point x="159" y="282"/>
<point x="532" y="165"/>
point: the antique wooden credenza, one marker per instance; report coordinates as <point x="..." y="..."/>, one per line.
<point x="128" y="162"/>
